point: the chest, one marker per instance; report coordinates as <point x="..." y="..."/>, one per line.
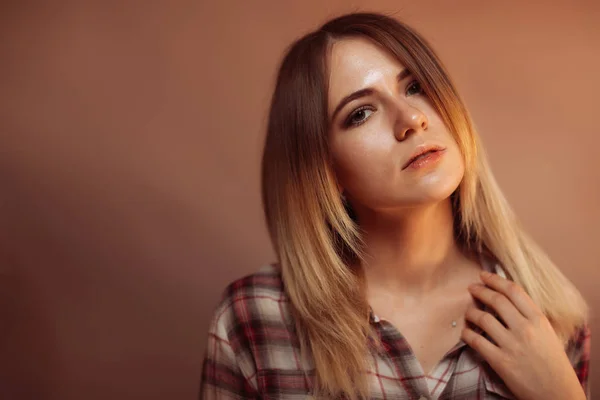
<point x="393" y="378"/>
<point x="431" y="329"/>
<point x="429" y="341"/>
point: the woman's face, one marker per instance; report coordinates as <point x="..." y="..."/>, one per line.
<point x="376" y="132"/>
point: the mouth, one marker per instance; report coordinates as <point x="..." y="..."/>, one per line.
<point x="423" y="154"/>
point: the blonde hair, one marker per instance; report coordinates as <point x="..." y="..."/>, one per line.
<point x="315" y="236"/>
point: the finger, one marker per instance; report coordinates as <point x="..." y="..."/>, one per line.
<point x="500" y="303"/>
<point x="489" y="324"/>
<point x="513" y="292"/>
<point x="490" y="352"/>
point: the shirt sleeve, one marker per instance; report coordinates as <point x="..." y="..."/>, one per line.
<point x="579" y="355"/>
<point x="222" y="377"/>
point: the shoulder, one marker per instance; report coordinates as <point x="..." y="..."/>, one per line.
<point x="249" y="315"/>
<point x="253" y="321"/>
<point x="578" y="350"/>
<point x="265" y="282"/>
<point x="249" y="302"/>
<point x="578" y="346"/>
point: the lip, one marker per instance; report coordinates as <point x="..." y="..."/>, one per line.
<point x="422" y="149"/>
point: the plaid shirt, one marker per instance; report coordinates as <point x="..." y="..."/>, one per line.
<point x="254" y="353"/>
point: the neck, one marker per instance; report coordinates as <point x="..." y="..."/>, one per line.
<point x="414" y="252"/>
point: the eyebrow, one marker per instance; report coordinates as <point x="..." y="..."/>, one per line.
<point x="405" y="73"/>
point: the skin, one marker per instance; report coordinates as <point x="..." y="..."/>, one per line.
<point x="416" y="276"/>
<point x="527" y="355"/>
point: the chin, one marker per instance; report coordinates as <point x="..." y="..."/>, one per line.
<point x="432" y="191"/>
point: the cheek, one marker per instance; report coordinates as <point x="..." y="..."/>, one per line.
<point x="352" y="168"/>
<point x="446" y="178"/>
<point x="456" y="171"/>
<point x="459" y="162"/>
<point x="362" y="166"/>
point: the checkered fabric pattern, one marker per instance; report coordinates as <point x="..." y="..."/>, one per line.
<point x="253" y="353"/>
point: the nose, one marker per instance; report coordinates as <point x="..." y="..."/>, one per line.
<point x="410" y="120"/>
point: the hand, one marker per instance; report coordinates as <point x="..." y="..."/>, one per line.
<point x="527" y="353"/>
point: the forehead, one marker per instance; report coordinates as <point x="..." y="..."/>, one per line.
<point x="356" y="63"/>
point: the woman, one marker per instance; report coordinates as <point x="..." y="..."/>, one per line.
<point x="402" y="272"/>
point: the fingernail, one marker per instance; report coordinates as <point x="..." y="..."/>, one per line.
<point x="486" y="274"/>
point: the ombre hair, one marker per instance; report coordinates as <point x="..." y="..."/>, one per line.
<point x="315" y="235"/>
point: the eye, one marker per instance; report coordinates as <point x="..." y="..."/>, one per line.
<point x="359" y="116"/>
<point x="414" y="88"/>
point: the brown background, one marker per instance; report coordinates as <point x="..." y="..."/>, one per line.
<point x="130" y="137"/>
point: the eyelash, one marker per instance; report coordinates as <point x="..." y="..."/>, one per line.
<point x="349" y="124"/>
